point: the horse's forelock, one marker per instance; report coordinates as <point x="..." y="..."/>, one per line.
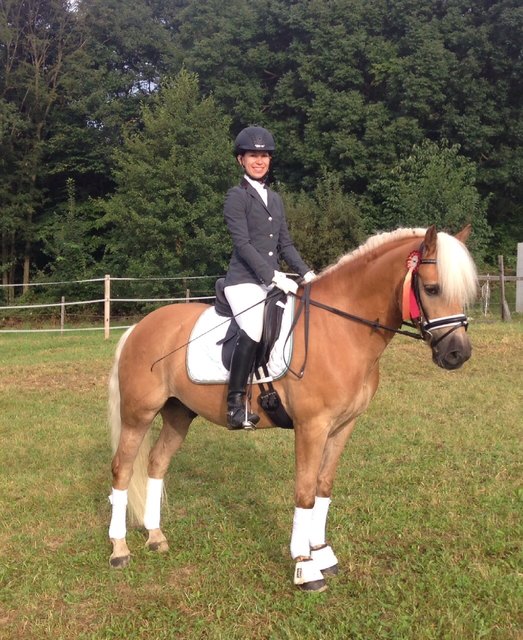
<point x="456" y="269"/>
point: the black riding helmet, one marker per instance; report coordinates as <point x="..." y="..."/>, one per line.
<point x="254" y="139"/>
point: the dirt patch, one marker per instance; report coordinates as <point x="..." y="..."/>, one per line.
<point x="81" y="377"/>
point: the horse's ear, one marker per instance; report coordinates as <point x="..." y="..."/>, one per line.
<point x="464" y="234"/>
<point x="431" y="238"/>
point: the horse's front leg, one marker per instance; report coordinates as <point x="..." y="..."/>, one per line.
<point x="317" y="456"/>
<point x="321" y="551"/>
<point x="309" y="446"/>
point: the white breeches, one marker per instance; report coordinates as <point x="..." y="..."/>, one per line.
<point x="246" y="302"/>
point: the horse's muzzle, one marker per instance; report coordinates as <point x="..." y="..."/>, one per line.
<point x="452" y="351"/>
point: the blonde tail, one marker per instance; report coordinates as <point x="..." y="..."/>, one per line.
<point x="138" y="485"/>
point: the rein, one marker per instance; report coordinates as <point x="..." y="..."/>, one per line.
<point x="412" y="308"/>
<point x="414" y="314"/>
<point x="305" y="304"/>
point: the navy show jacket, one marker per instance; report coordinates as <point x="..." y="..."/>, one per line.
<point x="260" y="236"/>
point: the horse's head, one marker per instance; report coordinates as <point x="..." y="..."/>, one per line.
<point x="446" y="282"/>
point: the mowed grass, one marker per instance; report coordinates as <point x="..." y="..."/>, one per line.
<point x="425" y="520"/>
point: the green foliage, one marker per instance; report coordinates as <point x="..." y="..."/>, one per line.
<point x="433" y="185"/>
<point x="325" y="224"/>
<point x="349" y="87"/>
<point x="166" y="215"/>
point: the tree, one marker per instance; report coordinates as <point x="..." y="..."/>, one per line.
<point x="165" y="218"/>
<point x="325" y="224"/>
<point x="36" y="37"/>
<point x="434" y="184"/>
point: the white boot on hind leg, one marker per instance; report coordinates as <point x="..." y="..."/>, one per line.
<point x="120" y="556"/>
<point x="151" y="519"/>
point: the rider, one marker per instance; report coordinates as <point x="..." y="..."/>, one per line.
<point x="255" y="217"/>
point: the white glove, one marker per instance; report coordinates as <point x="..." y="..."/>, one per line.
<point x="309" y="276"/>
<point x="284" y="283"/>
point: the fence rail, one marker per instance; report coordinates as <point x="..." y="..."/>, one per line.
<point x="497" y="292"/>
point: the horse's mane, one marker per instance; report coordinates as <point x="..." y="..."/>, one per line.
<point x="456" y="269"/>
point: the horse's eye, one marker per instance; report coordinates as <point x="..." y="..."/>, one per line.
<point x="431" y="289"/>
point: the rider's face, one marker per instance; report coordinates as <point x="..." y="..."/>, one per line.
<point x="255" y="163"/>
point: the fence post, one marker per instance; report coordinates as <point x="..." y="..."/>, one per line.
<point x="62" y="315"/>
<point x="107" y="306"/>
<point x="505" y="311"/>
<point x="519" y="281"/>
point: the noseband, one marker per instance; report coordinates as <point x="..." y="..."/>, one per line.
<point x="418" y="315"/>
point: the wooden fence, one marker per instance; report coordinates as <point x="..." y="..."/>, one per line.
<point x="24" y="317"/>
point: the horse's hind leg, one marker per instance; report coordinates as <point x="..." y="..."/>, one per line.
<point x="130" y="441"/>
<point x="176" y="421"/>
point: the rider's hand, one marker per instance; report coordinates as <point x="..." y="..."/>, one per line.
<point x="309" y="276"/>
<point x="284" y="283"/>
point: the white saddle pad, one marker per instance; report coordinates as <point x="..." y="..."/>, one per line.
<point x="204" y="360"/>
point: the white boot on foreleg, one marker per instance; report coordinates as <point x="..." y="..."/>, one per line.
<point x="307" y="575"/>
<point x="321" y="552"/>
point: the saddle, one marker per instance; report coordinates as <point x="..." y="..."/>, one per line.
<point x="272" y="320"/>
<point x="272" y="317"/>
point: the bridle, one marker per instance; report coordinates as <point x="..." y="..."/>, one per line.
<point x="418" y="317"/>
<point x="421" y="319"/>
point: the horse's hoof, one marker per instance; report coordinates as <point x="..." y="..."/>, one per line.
<point x="159" y="547"/>
<point x="325" y="560"/>
<point x="308" y="577"/>
<point x="316" y="586"/>
<point x="331" y="571"/>
<point x="120" y="562"/>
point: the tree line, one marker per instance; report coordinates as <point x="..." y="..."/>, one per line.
<point x="117" y="120"/>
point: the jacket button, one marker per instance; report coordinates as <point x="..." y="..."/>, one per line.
<point x="270" y="218"/>
<point x="271" y="253"/>
<point x="271" y="235"/>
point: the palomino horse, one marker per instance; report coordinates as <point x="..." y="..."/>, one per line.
<point x="373" y="283"/>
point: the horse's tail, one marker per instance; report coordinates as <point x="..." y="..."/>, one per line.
<point x="138" y="484"/>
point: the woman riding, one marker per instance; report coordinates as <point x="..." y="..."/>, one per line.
<point x="255" y="217"/>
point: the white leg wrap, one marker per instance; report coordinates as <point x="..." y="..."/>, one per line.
<point x="307" y="571"/>
<point x="153" y="501"/>
<point x="300" y="545"/>
<point x="324" y="558"/>
<point x="117" y="528"/>
<point x="320" y="512"/>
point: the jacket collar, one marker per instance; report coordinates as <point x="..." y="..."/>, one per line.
<point x="252" y="191"/>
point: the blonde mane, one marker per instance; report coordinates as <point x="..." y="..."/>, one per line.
<point x="456" y="269"/>
<point x="373" y="243"/>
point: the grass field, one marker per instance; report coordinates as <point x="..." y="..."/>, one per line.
<point x="426" y="516"/>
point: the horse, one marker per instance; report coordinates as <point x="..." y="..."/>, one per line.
<point x="355" y="308"/>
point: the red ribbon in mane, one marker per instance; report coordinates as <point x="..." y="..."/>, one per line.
<point x="410" y="307"/>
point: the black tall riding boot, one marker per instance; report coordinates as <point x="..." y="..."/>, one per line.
<point x="241" y="366"/>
